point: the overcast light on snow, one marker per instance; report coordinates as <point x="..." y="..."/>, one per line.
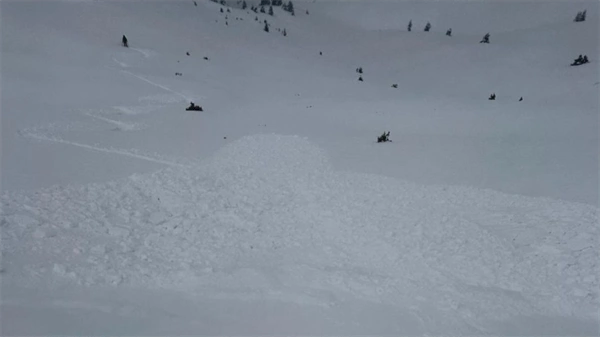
<point x="274" y="211"/>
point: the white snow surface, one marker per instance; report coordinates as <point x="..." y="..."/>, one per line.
<point x="274" y="212"/>
<point x="268" y="219"/>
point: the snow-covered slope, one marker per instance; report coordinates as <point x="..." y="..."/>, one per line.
<point x="274" y="211"/>
<point x="268" y="220"/>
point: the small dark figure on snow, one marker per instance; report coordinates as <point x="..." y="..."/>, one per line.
<point x="221" y="10"/>
<point x="187" y="53"/>
<point x="320" y="53"/>
<point x="410" y="25"/>
<point x="449" y="32"/>
<point x="384" y="138"/>
<point x="360" y="78"/>
<point x="194" y="107"/>
<point x="124" y="40"/>
<point x="195" y="3"/>
<point x="585" y="59"/>
<point x="521" y="99"/>
<point x="486" y="38"/>
<point x="359" y="70"/>
<point x="427" y="27"/>
<point x="492" y="97"/>
<point x="395" y="86"/>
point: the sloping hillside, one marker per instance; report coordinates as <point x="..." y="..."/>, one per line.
<point x="274" y="211"/>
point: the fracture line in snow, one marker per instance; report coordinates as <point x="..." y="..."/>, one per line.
<point x="103" y="149"/>
<point x="158" y="85"/>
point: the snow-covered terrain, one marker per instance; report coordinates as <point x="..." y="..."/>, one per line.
<point x="274" y="211"/>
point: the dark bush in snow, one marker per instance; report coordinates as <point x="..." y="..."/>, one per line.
<point x="486" y="38"/>
<point x="193" y="107"/>
<point x="385" y="137"/>
<point x="580" y="16"/>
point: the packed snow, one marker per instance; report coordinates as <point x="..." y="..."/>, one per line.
<point x="274" y="211"/>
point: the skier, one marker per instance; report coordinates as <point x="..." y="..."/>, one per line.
<point x="125" y="41"/>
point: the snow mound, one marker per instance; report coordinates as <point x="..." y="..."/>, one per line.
<point x="267" y="217"/>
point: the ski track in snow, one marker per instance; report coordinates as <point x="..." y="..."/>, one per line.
<point x="146" y="53"/>
<point x="267" y="217"/>
<point x="185" y="97"/>
<point x="122" y="64"/>
<point x="120" y="125"/>
<point x="128" y="153"/>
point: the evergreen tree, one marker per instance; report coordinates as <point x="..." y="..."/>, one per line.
<point x="244" y="5"/>
<point x="284" y="32"/>
<point x="271" y="10"/>
<point x="410" y="25"/>
<point x="427" y="26"/>
<point x="486" y="38"/>
<point x="262" y="9"/>
<point x="265" y="3"/>
<point x="289" y="7"/>
<point x="266" y="26"/>
<point x="580" y="16"/>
